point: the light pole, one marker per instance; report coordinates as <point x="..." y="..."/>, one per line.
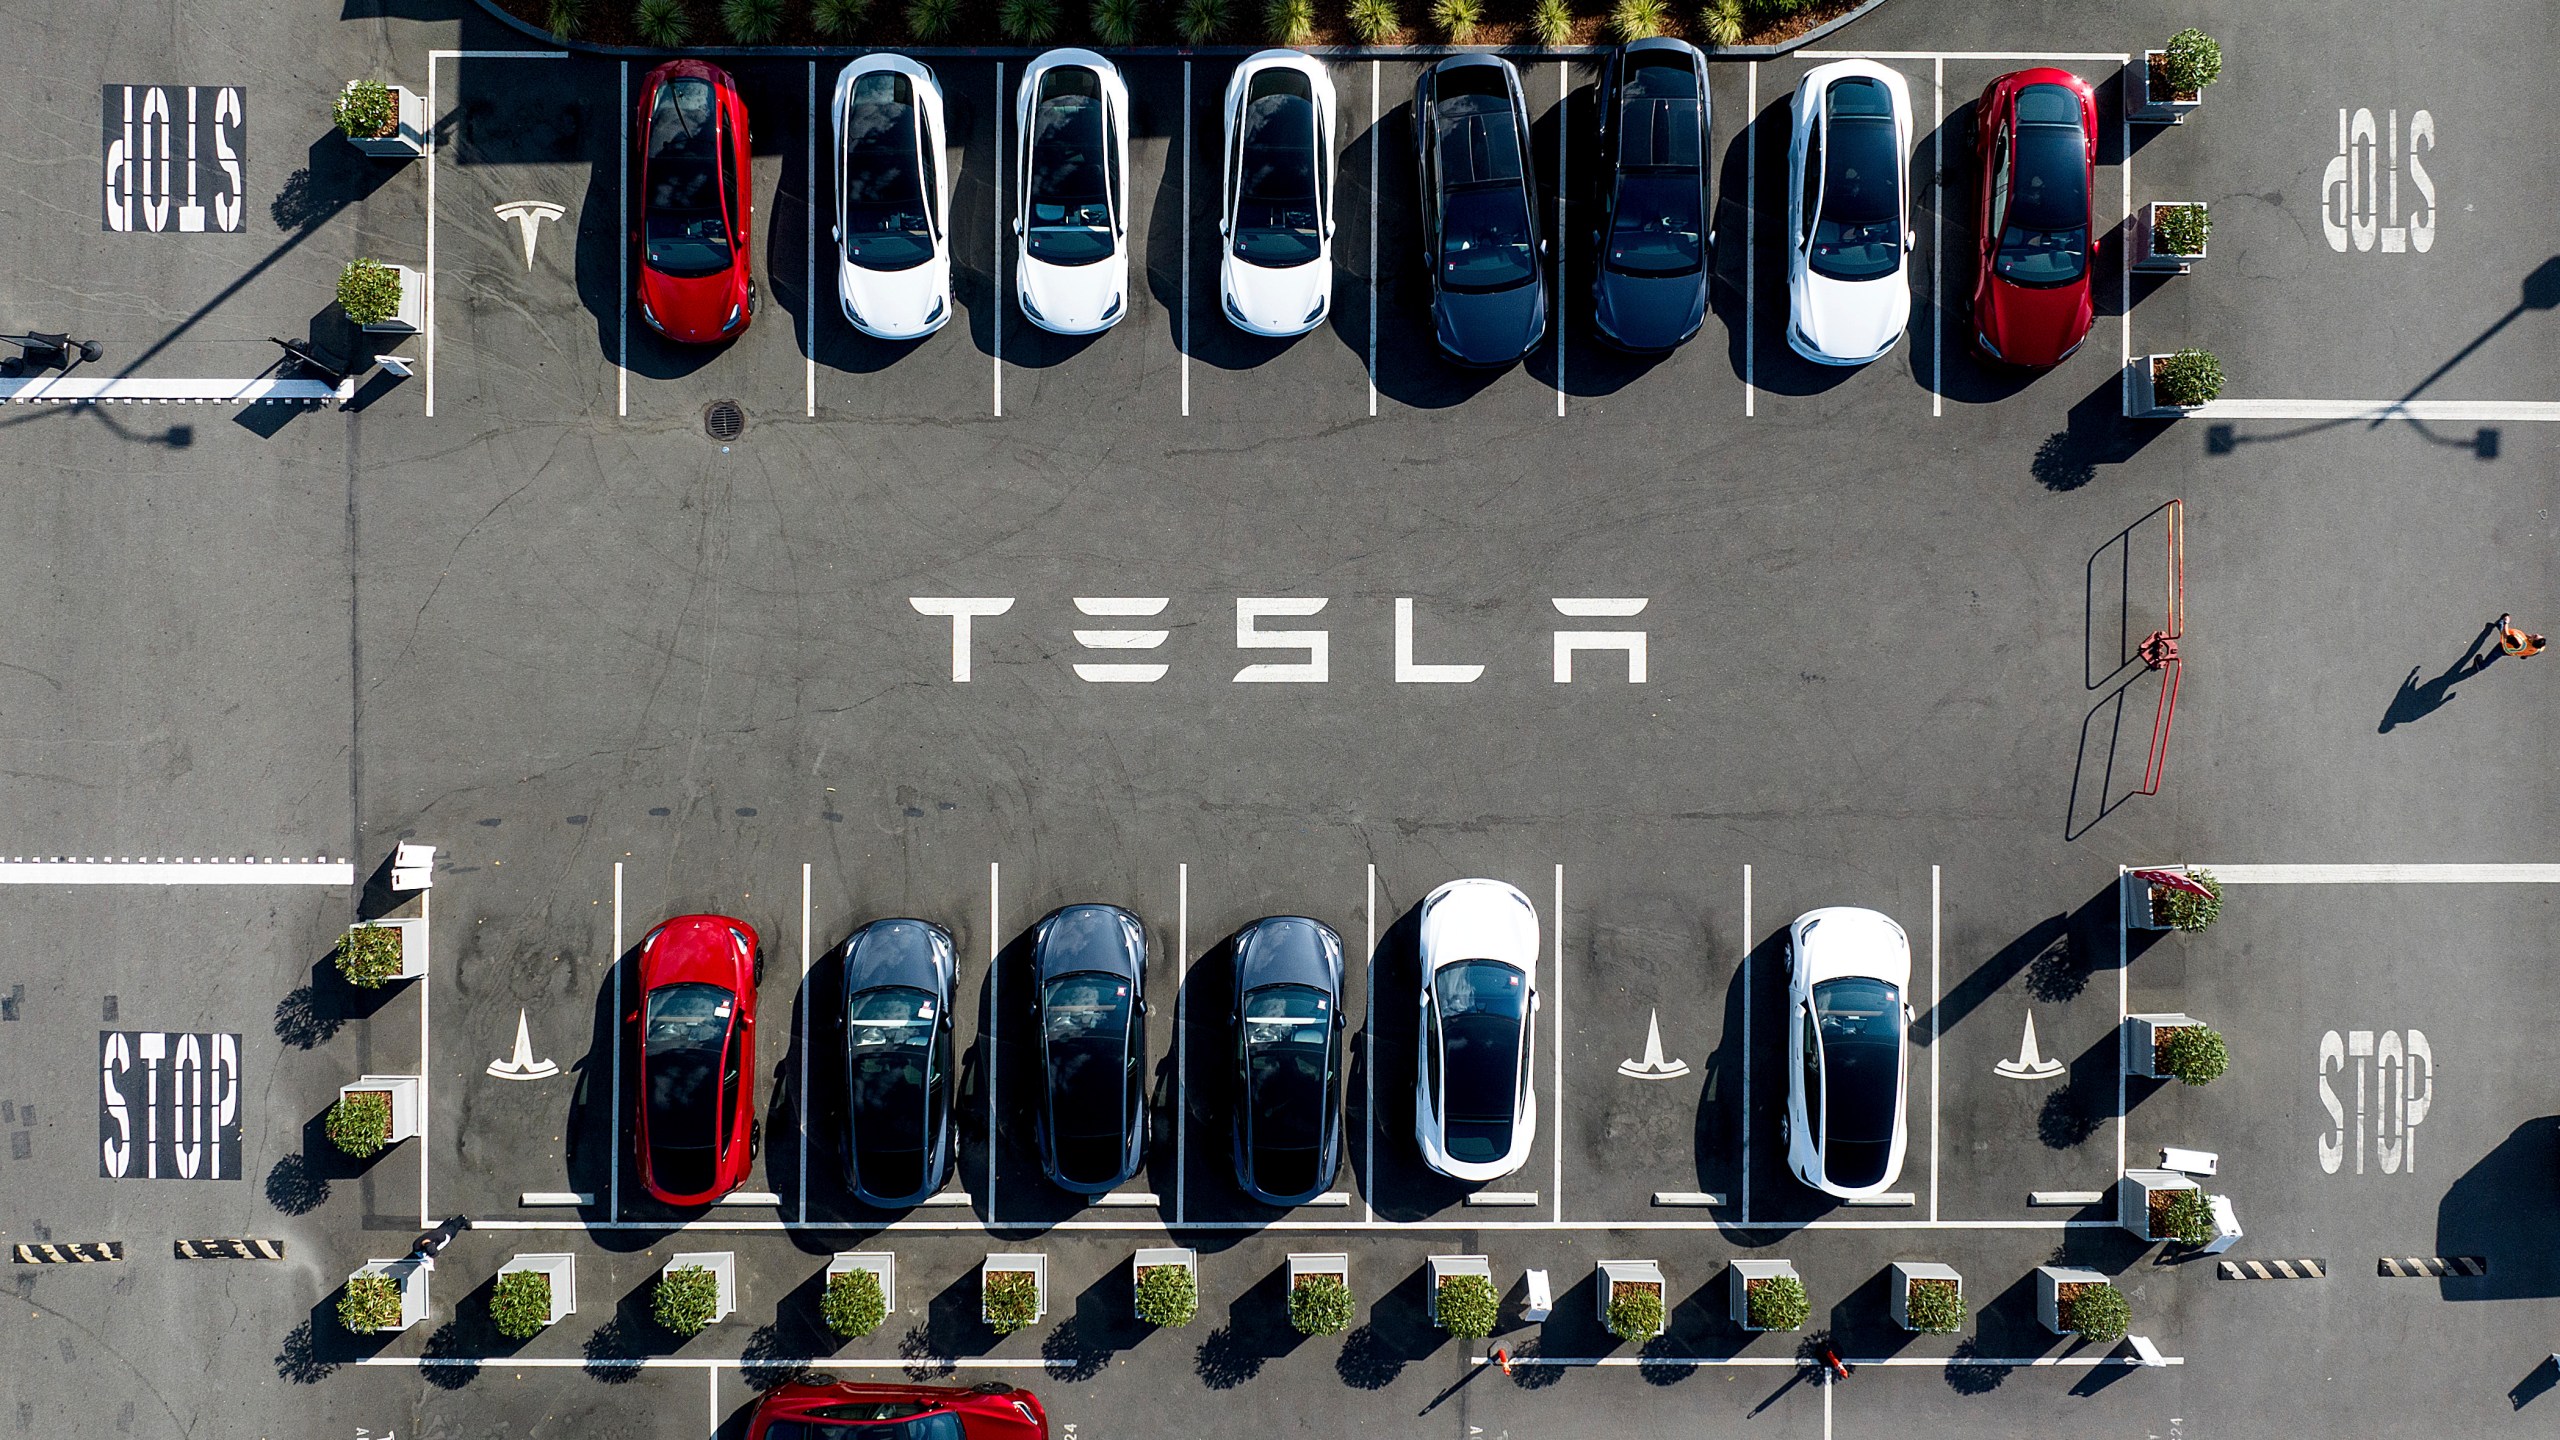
<point x="40" y="347"/>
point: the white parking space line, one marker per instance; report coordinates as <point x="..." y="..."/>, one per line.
<point x="1750" y="348"/>
<point x="1772" y="1362"/>
<point x="426" y="1071"/>
<point x="1149" y="1200"/>
<point x="1564" y="258"/>
<point x="2124" y="1007"/>
<point x="2385" y="874"/>
<point x="1555" y="1131"/>
<point x="1373" y="335"/>
<point x="995" y="1010"/>
<point x="2377" y="411"/>
<point x="2124" y="274"/>
<point x="712" y="1374"/>
<point x="2050" y="57"/>
<point x="1938" y="306"/>
<point x="1186" y="344"/>
<point x="177" y="872"/>
<point x="613" y="1210"/>
<point x="800" y="1111"/>
<point x="1369" y="1026"/>
<point x="1933" y="1041"/>
<point x="1181" y="992"/>
<point x="809" y="344"/>
<point x="1749" y="938"/>
<point x="995" y="326"/>
<point x="621" y="354"/>
<point x="686" y="1362"/>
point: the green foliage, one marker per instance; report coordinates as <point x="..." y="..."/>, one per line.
<point x="930" y="20"/>
<point x="1012" y="1300"/>
<point x="1290" y="22"/>
<point x="1777" y="1303"/>
<point x="367" y="111"/>
<point x="369" y="955"/>
<point x="1028" y="22"/>
<point x="686" y="1299"/>
<point x="1467" y="1306"/>
<point x="2097" y="1313"/>
<point x="837" y="18"/>
<point x="1720" y="22"/>
<point x="1935" y="1307"/>
<point x="752" y="22"/>
<point x="1551" y="23"/>
<point x="369" y="1303"/>
<point x="2193" y="61"/>
<point x="1168" y="1295"/>
<point x="521" y="1305"/>
<point x="1459" y="18"/>
<point x="1639" y="19"/>
<point x="1777" y="9"/>
<point x="666" y="24"/>
<point x="564" y="18"/>
<point x="2195" y="1054"/>
<point x="1635" y="1312"/>
<point x="360" y="1124"/>
<point x="2185" y="1216"/>
<point x="1199" y="21"/>
<point x="1115" y="22"/>
<point x="2189" y="377"/>
<point x="2180" y="229"/>
<point x="1373" y="21"/>
<point x="853" y="1304"/>
<point x="1320" y="1305"/>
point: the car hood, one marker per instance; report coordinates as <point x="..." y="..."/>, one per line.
<point x="1077" y="297"/>
<point x="1275" y="300"/>
<point x="692" y="309"/>
<point x="2034" y="326"/>
<point x="1496" y="328"/>
<point x="898" y="952"/>
<point x="897" y="304"/>
<point x="1853" y="318"/>
<point x="1480" y="920"/>
<point x="1846" y="941"/>
<point x="1649" y="312"/>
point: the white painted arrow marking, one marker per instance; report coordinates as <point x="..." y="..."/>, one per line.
<point x="522" y="1065"/>
<point x="2029" y="1065"/>
<point x="1653" y="1066"/>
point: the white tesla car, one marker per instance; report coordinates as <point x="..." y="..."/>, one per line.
<point x="1071" y="269"/>
<point x="1849" y="233"/>
<point x="1276" y="269"/>
<point x="893" y="198"/>
<point x="1848" y="1050"/>
<point x="1475" y="1108"/>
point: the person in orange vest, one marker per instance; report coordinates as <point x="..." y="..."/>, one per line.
<point x="2515" y="642"/>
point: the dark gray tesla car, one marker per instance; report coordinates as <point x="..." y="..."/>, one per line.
<point x="1089" y="1008"/>
<point x="898" y="978"/>
<point x="1649" y="287"/>
<point x="1288" y="1027"/>
<point x="1479" y="211"/>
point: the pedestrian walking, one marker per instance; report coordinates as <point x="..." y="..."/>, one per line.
<point x="2515" y="642"/>
<point x="431" y="1243"/>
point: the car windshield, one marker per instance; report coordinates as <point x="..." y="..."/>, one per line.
<point x="1287" y="1030"/>
<point x="1657" y="229"/>
<point x="1085" y="1025"/>
<point x="1857" y="235"/>
<point x="687" y="229"/>
<point x="1276" y="220"/>
<point x="682" y="1030"/>
<point x="1861" y="1025"/>
<point x="1483" y="1007"/>
<point x="1070" y="219"/>
<point x="1486" y="241"/>
<point x="888" y="1039"/>
<point x="2044" y="239"/>
<point x="885" y="224"/>
<point x="841" y="1425"/>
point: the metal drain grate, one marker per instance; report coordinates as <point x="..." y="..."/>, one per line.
<point x="722" y="420"/>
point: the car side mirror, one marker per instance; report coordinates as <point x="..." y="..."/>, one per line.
<point x="631" y="1019"/>
<point x="1222" y="227"/>
<point x="836" y="233"/>
<point x="1910" y="242"/>
<point x="1546" y="247"/>
<point x="1017" y="226"/>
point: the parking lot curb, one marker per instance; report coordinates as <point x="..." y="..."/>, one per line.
<point x="2430" y="1267"/>
<point x="77" y="1252"/>
<point x="230" y="1249"/>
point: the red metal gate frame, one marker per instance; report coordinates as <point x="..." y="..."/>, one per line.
<point x="2166" y="714"/>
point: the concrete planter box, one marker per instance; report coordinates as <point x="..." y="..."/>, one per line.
<point x="408" y="139"/>
<point x="2133" y="1198"/>
<point x="2156" y="108"/>
<point x="1337" y="1266"/>
<point x="1035" y="1266"/>
<point x="1614" y="1273"/>
<point x="412" y="1278"/>
<point x="561" y="1271"/>
<point x="1441" y="1267"/>
<point x="2146" y="402"/>
<point x="2049" y="1281"/>
<point x="403" y="1090"/>
<point x="411" y="317"/>
<point x="880" y="1263"/>
<point x="1150" y="1257"/>
<point x="723" y="1265"/>
<point x="1746" y="1271"/>
<point x="1906" y="1271"/>
<point x="2148" y="257"/>
<point x="2142" y="1042"/>
<point x="413" y="943"/>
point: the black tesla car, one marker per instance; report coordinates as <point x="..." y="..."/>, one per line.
<point x="898" y="978"/>
<point x="1649" y="287"/>
<point x="1288" y="1026"/>
<point x="1089" y="1007"/>
<point x="1479" y="211"/>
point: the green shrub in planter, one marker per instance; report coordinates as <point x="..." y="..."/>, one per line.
<point x="752" y="22"/>
<point x="2097" y="1313"/>
<point x="2181" y="230"/>
<point x="930" y="20"/>
<point x="853" y="1305"/>
<point x="521" y="1305"/>
<point x="1012" y="1300"/>
<point x="1027" y="22"/>
<point x="1199" y="21"/>
<point x="1290" y="22"/>
<point x="360" y="1124"/>
<point x="369" y="291"/>
<point x="837" y="18"/>
<point x="1639" y="19"/>
<point x="1551" y="23"/>
<point x="2185" y="1216"/>
<point x="1720" y="21"/>
<point x="1373" y="20"/>
<point x="1777" y="9"/>
<point x="367" y="111"/>
<point x="369" y="955"/>
<point x="369" y="1303"/>
<point x="1635" y="1312"/>
<point x="1467" y="1306"/>
<point x="1777" y="1302"/>
<point x="1115" y="22"/>
<point x="1320" y="1305"/>
<point x="2185" y="909"/>
<point x="1935" y="1307"/>
<point x="2192" y="62"/>
<point x="666" y="24"/>
<point x="1168" y="1295"/>
<point x="686" y="1299"/>
<point x="1459" y="17"/>
<point x="564" y="18"/>
<point x="2188" y="377"/>
<point x="2195" y="1054"/>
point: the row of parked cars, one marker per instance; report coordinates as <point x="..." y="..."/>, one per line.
<point x="1651" y="208"/>
<point x="1475" y="1106"/>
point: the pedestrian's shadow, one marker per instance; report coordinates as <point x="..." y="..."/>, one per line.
<point x="2418" y="699"/>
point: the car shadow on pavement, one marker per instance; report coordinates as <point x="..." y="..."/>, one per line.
<point x="2503" y="1208"/>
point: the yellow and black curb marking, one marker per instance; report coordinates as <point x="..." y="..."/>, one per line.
<point x="82" y="1252"/>
<point x="2275" y="1270"/>
<point x="2429" y="1267"/>
<point x="243" y="1249"/>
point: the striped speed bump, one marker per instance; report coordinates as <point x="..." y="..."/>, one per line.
<point x="82" y="1252"/>
<point x="2430" y="1267"/>
<point x="230" y="1249"/>
<point x="2275" y="1270"/>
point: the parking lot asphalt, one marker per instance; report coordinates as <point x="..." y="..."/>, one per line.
<point x="521" y="607"/>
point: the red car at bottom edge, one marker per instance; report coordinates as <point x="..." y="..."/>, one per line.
<point x="898" y="1412"/>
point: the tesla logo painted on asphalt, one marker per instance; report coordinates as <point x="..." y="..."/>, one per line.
<point x="522" y="1065"/>
<point x="168" y="1105"/>
<point x="2360" y="191"/>
<point x="1653" y="1066"/>
<point x="527" y="216"/>
<point x="2030" y="1064"/>
<point x="176" y="158"/>
<point x="2403" y="1092"/>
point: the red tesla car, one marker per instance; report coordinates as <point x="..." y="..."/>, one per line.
<point x="898" y="1412"/>
<point x="697" y="1020"/>
<point x="2036" y="141"/>
<point x="697" y="204"/>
